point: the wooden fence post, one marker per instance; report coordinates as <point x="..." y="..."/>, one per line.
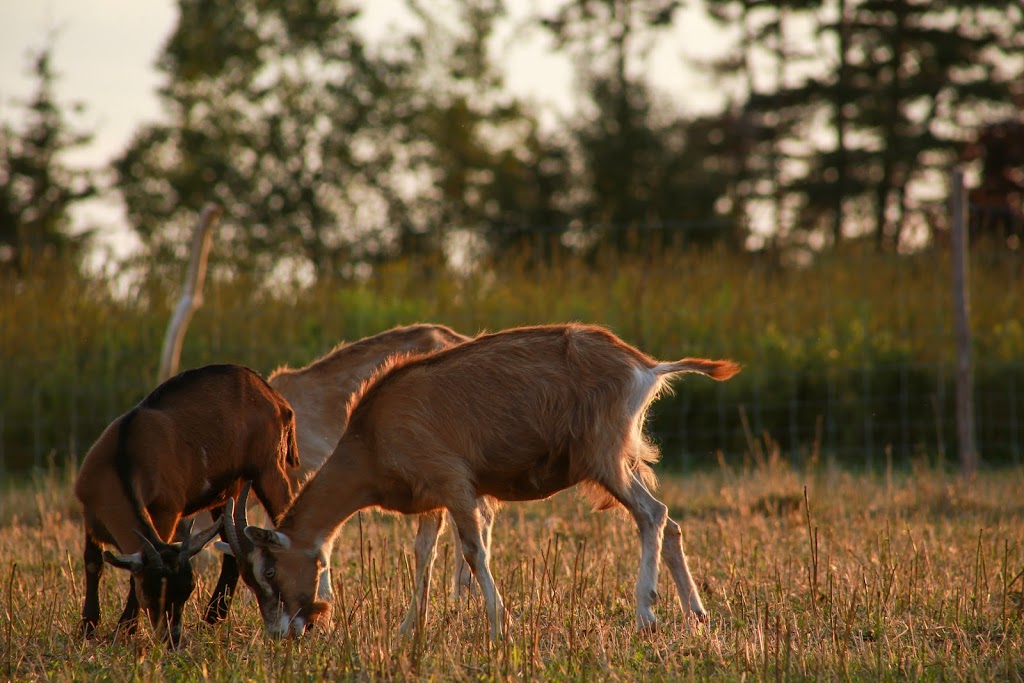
<point x="961" y="317"/>
<point x="192" y="294"/>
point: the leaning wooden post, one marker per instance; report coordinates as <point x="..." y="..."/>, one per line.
<point x="192" y="294"/>
<point x="962" y="321"/>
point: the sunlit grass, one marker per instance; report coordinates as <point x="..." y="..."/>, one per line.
<point x="909" y="575"/>
<point x="854" y="328"/>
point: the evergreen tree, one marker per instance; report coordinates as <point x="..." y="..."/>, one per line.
<point x="489" y="167"/>
<point x="897" y="84"/>
<point x="37" y="189"/>
<point x="634" y="150"/>
<point x="281" y="112"/>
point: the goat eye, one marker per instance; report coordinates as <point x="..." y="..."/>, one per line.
<point x="270" y="572"/>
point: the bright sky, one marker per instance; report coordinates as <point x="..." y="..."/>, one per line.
<point x="105" y="50"/>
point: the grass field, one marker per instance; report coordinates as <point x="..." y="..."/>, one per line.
<point x="908" y="575"/>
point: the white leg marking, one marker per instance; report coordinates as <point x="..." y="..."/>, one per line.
<point x="430" y="525"/>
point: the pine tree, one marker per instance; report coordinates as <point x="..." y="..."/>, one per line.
<point x="899" y="85"/>
<point x="283" y="114"/>
<point x="37" y="189"/>
<point x="634" y="150"/>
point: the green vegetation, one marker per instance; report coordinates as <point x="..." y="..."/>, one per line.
<point x="851" y="343"/>
<point x="913" y="575"/>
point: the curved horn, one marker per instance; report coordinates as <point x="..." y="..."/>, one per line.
<point x="196" y="542"/>
<point x="150" y="552"/>
<point x="187" y="540"/>
<point x="235" y="520"/>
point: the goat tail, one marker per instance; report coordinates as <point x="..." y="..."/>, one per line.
<point x="720" y="370"/>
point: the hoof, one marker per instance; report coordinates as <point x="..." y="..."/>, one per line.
<point x="702" y="618"/>
<point x="87" y="629"/>
<point x="646" y="622"/>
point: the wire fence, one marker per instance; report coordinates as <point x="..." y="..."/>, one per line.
<point x="914" y="419"/>
<point x="856" y="364"/>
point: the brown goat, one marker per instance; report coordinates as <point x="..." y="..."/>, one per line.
<point x="319" y="394"/>
<point x="188" y="446"/>
<point x="516" y="415"/>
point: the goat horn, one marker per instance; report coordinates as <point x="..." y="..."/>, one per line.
<point x="201" y="538"/>
<point x="185" y="542"/>
<point x="235" y="518"/>
<point x="150" y="552"/>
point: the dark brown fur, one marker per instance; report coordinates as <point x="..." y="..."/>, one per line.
<point x="188" y="446"/>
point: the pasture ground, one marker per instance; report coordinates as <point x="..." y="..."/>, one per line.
<point x="906" y="575"/>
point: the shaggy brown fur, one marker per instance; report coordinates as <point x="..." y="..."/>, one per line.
<point x="516" y="415"/>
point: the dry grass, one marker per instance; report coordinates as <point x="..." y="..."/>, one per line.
<point x="914" y="575"/>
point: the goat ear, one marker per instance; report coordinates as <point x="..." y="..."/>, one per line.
<point x="267" y="538"/>
<point x="132" y="563"/>
<point x="224" y="548"/>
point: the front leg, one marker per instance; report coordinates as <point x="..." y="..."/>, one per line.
<point x="430" y="525"/>
<point x="93" y="571"/>
<point x="468" y="521"/>
<point x="129" y="621"/>
<point x="462" y="580"/>
<point x="220" y="599"/>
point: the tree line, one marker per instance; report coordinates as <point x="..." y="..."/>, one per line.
<point x="331" y="149"/>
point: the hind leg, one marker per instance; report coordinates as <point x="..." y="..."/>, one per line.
<point x="430" y="526"/>
<point x="650" y="516"/>
<point x="675" y="560"/>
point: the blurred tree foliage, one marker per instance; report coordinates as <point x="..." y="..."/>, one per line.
<point x="490" y="168"/>
<point x="642" y="163"/>
<point x="329" y="147"/>
<point x="329" y="150"/>
<point x="37" y="188"/>
<point x="281" y="112"/>
<point x="897" y="88"/>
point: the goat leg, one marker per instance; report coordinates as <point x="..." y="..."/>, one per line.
<point x="93" y="571"/>
<point x="129" y="620"/>
<point x="675" y="560"/>
<point x="462" y="580"/>
<point x="430" y="526"/>
<point x="650" y="516"/>
<point x="220" y="599"/>
<point x="467" y="520"/>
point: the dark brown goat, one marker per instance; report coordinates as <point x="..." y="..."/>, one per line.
<point x="516" y="415"/>
<point x="188" y="446"/>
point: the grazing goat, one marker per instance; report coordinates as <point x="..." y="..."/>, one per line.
<point x="188" y="446"/>
<point x="319" y="394"/>
<point x="515" y="415"/>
